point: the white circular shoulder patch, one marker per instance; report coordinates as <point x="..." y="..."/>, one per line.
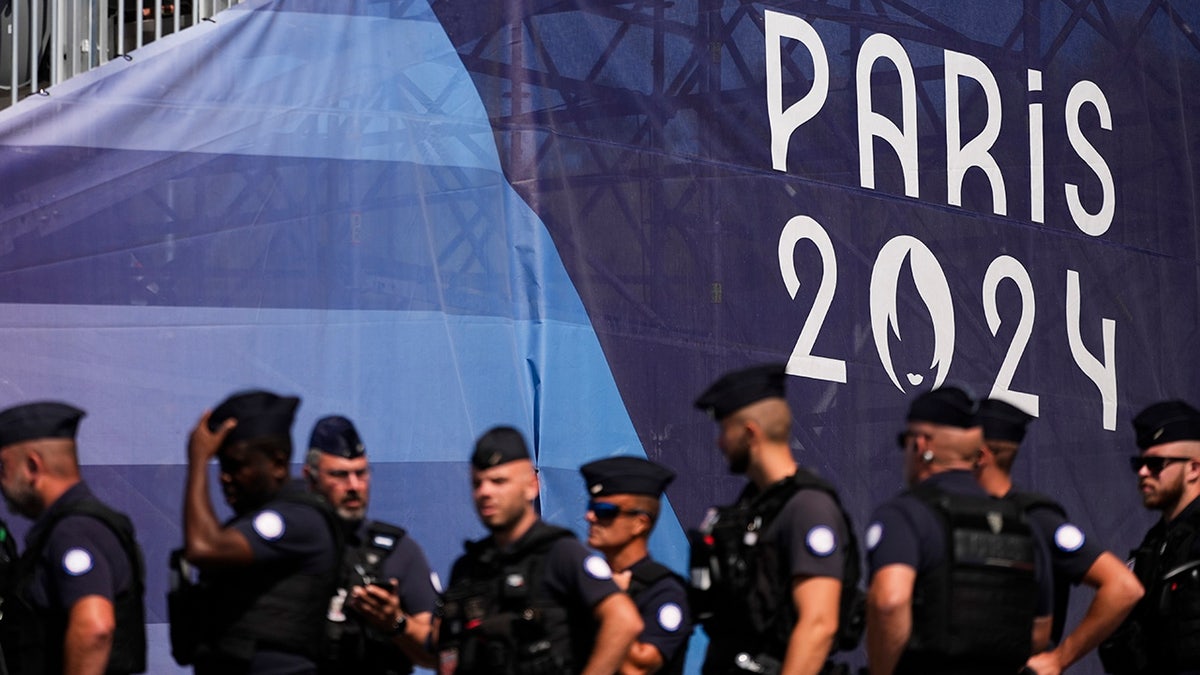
<point x="874" y="534"/>
<point x="597" y="568"/>
<point x="821" y="541"/>
<point x="77" y="562"/>
<point x="269" y="525"/>
<point x="670" y="616"/>
<point x="1068" y="538"/>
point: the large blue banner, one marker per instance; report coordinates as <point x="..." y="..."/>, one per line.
<point x="434" y="217"/>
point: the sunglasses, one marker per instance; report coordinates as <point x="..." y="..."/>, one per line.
<point x="904" y="437"/>
<point x="1152" y="463"/>
<point x="608" y="511"/>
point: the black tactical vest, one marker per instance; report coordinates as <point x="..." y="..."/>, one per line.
<point x="1162" y="633"/>
<point x="643" y="576"/>
<point x="742" y="586"/>
<point x="495" y="621"/>
<point x="33" y="636"/>
<point x="247" y="609"/>
<point x="974" y="612"/>
<point x="353" y="646"/>
<point x="1030" y="502"/>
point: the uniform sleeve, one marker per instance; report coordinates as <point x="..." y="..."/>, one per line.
<point x="813" y="535"/>
<point x="1072" y="552"/>
<point x="286" y="531"/>
<point x="1044" y="571"/>
<point x="891" y="539"/>
<point x="84" y="557"/>
<point x="665" y="615"/>
<point x="409" y="566"/>
<point x="576" y="575"/>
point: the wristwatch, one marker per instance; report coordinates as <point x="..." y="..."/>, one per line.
<point x="400" y="624"/>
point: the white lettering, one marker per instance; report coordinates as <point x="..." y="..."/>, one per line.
<point x="1098" y="223"/>
<point x="1037" y="154"/>
<point x="785" y="121"/>
<point x="976" y="152"/>
<point x="873" y="125"/>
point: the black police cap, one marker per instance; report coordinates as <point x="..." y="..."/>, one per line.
<point x="43" y="419"/>
<point x="1003" y="421"/>
<point x="1166" y="421"/>
<point x="740" y="388"/>
<point x="336" y="435"/>
<point x="499" y="445"/>
<point x="948" y="406"/>
<point x="626" y="476"/>
<point x="259" y="414"/>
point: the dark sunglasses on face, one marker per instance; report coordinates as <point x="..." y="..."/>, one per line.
<point x="1152" y="463"/>
<point x="903" y="438"/>
<point x="609" y="511"/>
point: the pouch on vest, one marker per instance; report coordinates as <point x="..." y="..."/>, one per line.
<point x="1124" y="652"/>
<point x="183" y="609"/>
<point x="1180" y="604"/>
<point x="739" y="584"/>
<point x="490" y="622"/>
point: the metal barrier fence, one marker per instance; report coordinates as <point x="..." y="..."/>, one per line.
<point x="44" y="42"/>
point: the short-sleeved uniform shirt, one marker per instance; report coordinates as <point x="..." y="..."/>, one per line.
<point x="1072" y="554"/>
<point x="810" y="536"/>
<point x="1071" y="551"/>
<point x="575" y="577"/>
<point x="82" y="557"/>
<point x="907" y="531"/>
<point x="665" y="616"/>
<point x="283" y="534"/>
<point x="810" y="532"/>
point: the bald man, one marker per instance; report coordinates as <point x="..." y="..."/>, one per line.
<point x="78" y="604"/>
<point x="980" y="606"/>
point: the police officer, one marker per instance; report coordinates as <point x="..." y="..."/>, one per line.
<point x="266" y="576"/>
<point x="777" y="572"/>
<point x="1162" y="634"/>
<point x="379" y="618"/>
<point x="77" y="602"/>
<point x="1075" y="558"/>
<point x="624" y="506"/>
<point x="528" y="599"/>
<point x="979" y="606"/>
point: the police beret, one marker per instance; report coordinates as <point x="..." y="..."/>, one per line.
<point x="625" y="476"/>
<point x="1167" y="421"/>
<point x="740" y="388"/>
<point x="259" y="414"/>
<point x="44" y="419"/>
<point x="336" y="435"/>
<point x="499" y="445"/>
<point x="948" y="406"/>
<point x="1003" y="421"/>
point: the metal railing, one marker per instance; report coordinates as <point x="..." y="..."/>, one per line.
<point x="44" y="42"/>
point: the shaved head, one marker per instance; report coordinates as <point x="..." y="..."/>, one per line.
<point x="772" y="415"/>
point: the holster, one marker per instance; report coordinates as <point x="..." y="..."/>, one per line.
<point x="184" y="610"/>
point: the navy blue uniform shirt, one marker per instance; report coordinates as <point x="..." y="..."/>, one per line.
<point x="82" y="557"/>
<point x="907" y="531"/>
<point x="664" y="609"/>
<point x="289" y="533"/>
